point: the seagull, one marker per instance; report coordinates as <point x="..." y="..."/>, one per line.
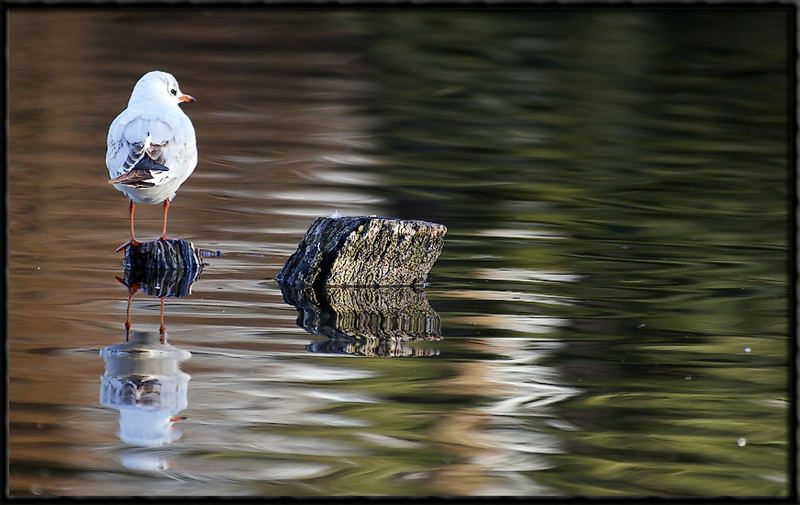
<point x="151" y="146"/>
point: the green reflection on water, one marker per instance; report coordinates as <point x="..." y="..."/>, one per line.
<point x="645" y="158"/>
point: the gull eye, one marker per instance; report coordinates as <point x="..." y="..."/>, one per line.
<point x="173" y="91"/>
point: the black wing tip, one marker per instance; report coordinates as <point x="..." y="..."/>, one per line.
<point x="140" y="184"/>
<point x="147" y="163"/>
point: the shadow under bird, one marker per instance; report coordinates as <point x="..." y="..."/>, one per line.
<point x="151" y="146"/>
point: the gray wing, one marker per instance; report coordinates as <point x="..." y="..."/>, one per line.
<point x="137" y="144"/>
<point x="146" y="139"/>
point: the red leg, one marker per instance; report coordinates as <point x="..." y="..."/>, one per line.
<point x="164" y="228"/>
<point x="132" y="242"/>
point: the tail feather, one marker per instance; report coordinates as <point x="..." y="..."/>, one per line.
<point x="137" y="178"/>
<point x="140" y="175"/>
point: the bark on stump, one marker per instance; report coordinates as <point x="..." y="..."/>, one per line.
<point x="163" y="267"/>
<point x="364" y="251"/>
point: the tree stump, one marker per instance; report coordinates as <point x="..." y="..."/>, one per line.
<point x="163" y="268"/>
<point x="364" y="251"/>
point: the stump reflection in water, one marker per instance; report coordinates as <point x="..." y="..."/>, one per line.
<point x="366" y="321"/>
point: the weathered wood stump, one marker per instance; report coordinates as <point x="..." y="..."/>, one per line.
<point x="173" y="254"/>
<point x="163" y="268"/>
<point x="364" y="251"/>
<point x="366" y="320"/>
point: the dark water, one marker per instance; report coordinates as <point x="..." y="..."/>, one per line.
<point x="614" y="294"/>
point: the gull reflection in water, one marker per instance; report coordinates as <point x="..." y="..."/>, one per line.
<point x="142" y="378"/>
<point x="144" y="382"/>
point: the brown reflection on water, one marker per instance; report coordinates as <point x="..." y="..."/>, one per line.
<point x="262" y="135"/>
<point x="277" y="148"/>
<point x="494" y="449"/>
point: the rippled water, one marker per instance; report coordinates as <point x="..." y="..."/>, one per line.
<point x="613" y="300"/>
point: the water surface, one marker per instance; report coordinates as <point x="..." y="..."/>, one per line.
<point x="613" y="298"/>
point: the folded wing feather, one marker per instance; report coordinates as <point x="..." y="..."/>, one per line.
<point x="144" y="143"/>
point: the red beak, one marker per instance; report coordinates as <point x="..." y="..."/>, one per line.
<point x="186" y="98"/>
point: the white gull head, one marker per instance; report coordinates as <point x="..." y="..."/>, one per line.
<point x="158" y="87"/>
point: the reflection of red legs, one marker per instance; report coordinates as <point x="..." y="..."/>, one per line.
<point x="132" y="290"/>
<point x="162" y="329"/>
<point x="128" y="318"/>
<point x="164" y="227"/>
<point x="132" y="242"/>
